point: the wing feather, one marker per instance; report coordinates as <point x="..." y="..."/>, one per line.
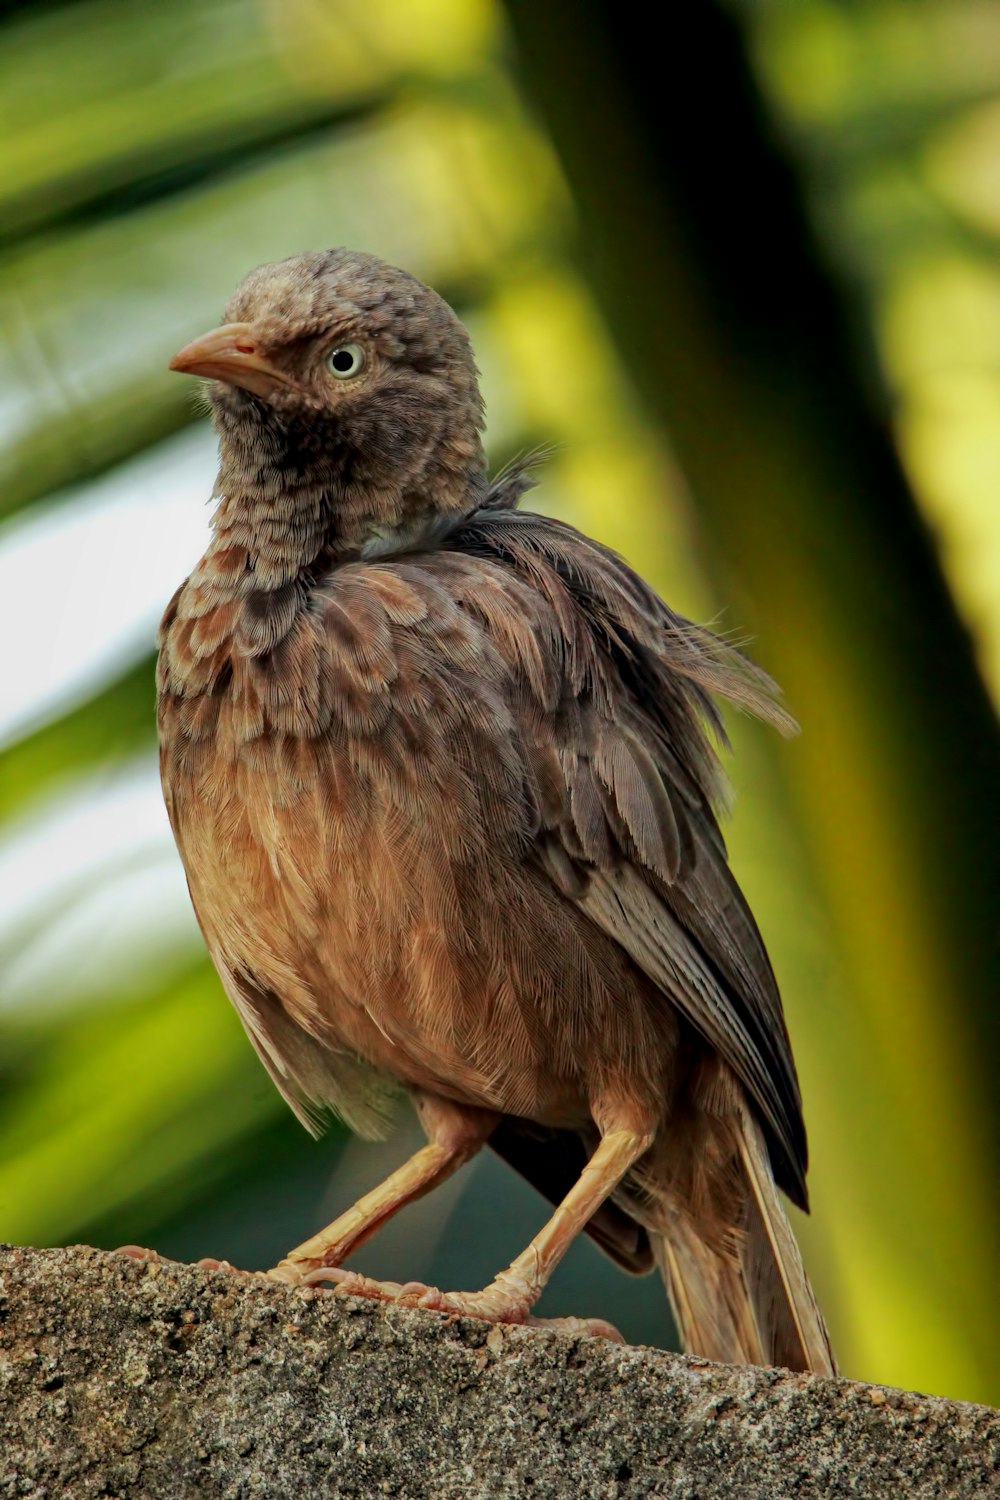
<point x="628" y="780"/>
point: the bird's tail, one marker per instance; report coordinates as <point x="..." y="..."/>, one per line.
<point x="741" y="1296"/>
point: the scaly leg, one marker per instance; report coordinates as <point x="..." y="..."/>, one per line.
<point x="514" y="1292"/>
<point x="455" y="1133"/>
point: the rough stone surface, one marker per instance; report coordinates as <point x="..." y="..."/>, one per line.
<point x="122" y="1379"/>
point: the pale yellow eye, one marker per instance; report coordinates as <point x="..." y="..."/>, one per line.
<point x="346" y="361"/>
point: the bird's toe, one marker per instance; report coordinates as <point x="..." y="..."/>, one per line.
<point x="588" y="1328"/>
<point x="139" y="1252"/>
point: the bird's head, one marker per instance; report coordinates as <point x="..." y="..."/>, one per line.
<point x="345" y="380"/>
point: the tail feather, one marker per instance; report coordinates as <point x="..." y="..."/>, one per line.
<point x="785" y="1308"/>
<point x="709" y="1303"/>
<point x="742" y="1298"/>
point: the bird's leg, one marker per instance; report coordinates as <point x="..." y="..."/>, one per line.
<point x="513" y="1293"/>
<point x="455" y="1133"/>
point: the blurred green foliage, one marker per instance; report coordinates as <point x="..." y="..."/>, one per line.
<point x="153" y="154"/>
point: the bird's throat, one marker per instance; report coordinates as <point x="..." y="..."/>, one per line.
<point x="265" y="539"/>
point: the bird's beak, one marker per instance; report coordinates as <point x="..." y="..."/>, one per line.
<point x="229" y="353"/>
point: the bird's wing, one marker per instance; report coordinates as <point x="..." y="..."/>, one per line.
<point x="611" y="695"/>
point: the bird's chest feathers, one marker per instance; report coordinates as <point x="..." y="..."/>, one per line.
<point x="260" y="768"/>
<point x="335" y="765"/>
<point x="300" y="764"/>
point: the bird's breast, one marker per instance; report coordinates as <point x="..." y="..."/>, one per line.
<point x="351" y="814"/>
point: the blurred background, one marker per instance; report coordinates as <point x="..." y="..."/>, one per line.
<point x="745" y="275"/>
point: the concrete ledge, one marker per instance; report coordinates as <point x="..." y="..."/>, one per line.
<point x="133" y="1381"/>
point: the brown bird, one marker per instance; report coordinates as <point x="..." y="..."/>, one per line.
<point x="442" y="778"/>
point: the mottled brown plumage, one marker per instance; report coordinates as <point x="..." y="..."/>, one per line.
<point x="441" y="775"/>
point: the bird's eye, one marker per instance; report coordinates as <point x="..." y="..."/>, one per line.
<point x="346" y="361"/>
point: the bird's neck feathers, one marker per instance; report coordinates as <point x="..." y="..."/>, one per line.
<point x="293" y="504"/>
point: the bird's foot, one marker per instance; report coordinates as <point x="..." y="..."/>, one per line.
<point x="206" y="1263"/>
<point x="496" y="1304"/>
<point x="505" y="1301"/>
